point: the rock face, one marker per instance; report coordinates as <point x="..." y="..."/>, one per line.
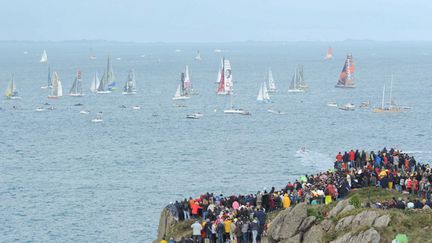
<point x="382" y="221"/>
<point x="365" y="218"/>
<point x="166" y="221"/>
<point x="314" y="234"/>
<point x="368" y="236"/>
<point x="285" y="227"/>
<point x="338" y="208"/>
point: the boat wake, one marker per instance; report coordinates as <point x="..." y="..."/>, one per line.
<point x="313" y="159"/>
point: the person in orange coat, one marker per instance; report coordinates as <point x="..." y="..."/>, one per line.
<point x="195" y="208"/>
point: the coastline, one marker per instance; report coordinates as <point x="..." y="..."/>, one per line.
<point x="384" y="171"/>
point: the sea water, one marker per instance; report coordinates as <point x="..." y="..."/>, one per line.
<point x="66" y="179"/>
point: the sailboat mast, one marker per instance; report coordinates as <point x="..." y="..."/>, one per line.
<point x="391" y="89"/>
<point x="382" y="101"/>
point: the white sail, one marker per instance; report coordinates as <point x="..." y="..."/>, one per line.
<point x="271" y="84"/>
<point x="59" y="89"/>
<point x="228" y="77"/>
<point x="219" y="76"/>
<point x="198" y="56"/>
<point x="187" y="80"/>
<point x="266" y="93"/>
<point x="56" y="90"/>
<point x="95" y="83"/>
<point x="260" y="96"/>
<point x="44" y="57"/>
<point x="177" y="93"/>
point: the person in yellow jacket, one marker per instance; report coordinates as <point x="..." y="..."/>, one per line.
<point x="286" y="201"/>
<point x="163" y="241"/>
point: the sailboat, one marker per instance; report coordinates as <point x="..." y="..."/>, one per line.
<point x="44" y="57"/>
<point x="233" y="110"/>
<point x="76" y="90"/>
<point x="107" y="80"/>
<point x="219" y="76"/>
<point x="302" y="83"/>
<point x="346" y="78"/>
<point x="188" y="83"/>
<point x="95" y="83"/>
<point x="11" y="92"/>
<point x="130" y="84"/>
<point x="329" y="54"/>
<point x="271" y="83"/>
<point x="198" y="56"/>
<point x="263" y="95"/>
<point x="56" y="90"/>
<point x="226" y="83"/>
<point x="180" y="92"/>
<point x="392" y="108"/>
<point x="295" y="83"/>
<point x="49" y="84"/>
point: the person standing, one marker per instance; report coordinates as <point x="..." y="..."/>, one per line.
<point x="254" y="228"/>
<point x="196" y="231"/>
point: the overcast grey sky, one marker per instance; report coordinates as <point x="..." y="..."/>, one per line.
<point x="215" y="21"/>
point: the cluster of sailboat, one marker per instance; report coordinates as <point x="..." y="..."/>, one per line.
<point x="184" y="91"/>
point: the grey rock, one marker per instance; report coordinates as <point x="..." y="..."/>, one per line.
<point x="166" y="222"/>
<point x="285" y="225"/>
<point x="338" y="208"/>
<point x="426" y="207"/>
<point x="314" y="234"/>
<point x="382" y="221"/>
<point x="368" y="236"/>
<point x="347" y="209"/>
<point x="326" y="225"/>
<point x="306" y="224"/>
<point x="365" y="218"/>
<point x="344" y="222"/>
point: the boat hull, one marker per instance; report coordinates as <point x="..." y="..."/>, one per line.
<point x="181" y="98"/>
<point x="296" y="91"/>
<point x="76" y="95"/>
<point x="237" y="111"/>
<point x="128" y="93"/>
<point x="53" y="97"/>
<point x="389" y="110"/>
<point x="345" y="86"/>
<point x="104" y="92"/>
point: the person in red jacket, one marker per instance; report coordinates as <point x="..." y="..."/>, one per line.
<point x="351" y="155"/>
<point x="195" y="208"/>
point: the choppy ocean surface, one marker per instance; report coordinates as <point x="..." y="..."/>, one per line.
<point x="66" y="179"/>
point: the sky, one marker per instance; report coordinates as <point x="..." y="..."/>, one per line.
<point x="215" y="21"/>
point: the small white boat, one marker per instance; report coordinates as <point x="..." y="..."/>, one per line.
<point x="276" y="112"/>
<point x="51" y="108"/>
<point x="118" y="58"/>
<point x="136" y="107"/>
<point x="198" y="56"/>
<point x="98" y="117"/>
<point x="347" y="107"/>
<point x="39" y="109"/>
<point x="217" y="50"/>
<point x="197" y="115"/>
<point x="84" y="112"/>
<point x="11" y="91"/>
<point x="179" y="105"/>
<point x="237" y="111"/>
<point x="332" y="104"/>
<point x="49" y="84"/>
<point x="130" y="85"/>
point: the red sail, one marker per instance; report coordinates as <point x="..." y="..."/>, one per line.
<point x="221" y="88"/>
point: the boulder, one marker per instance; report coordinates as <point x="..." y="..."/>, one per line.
<point x="368" y="236"/>
<point x="426" y="207"/>
<point x="286" y="224"/>
<point x="347" y="209"/>
<point x="382" y="221"/>
<point x="306" y="224"/>
<point x="344" y="222"/>
<point x="338" y="208"/>
<point x="166" y="222"/>
<point x="365" y="218"/>
<point x="314" y="234"/>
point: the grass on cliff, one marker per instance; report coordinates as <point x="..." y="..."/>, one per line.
<point x="414" y="223"/>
